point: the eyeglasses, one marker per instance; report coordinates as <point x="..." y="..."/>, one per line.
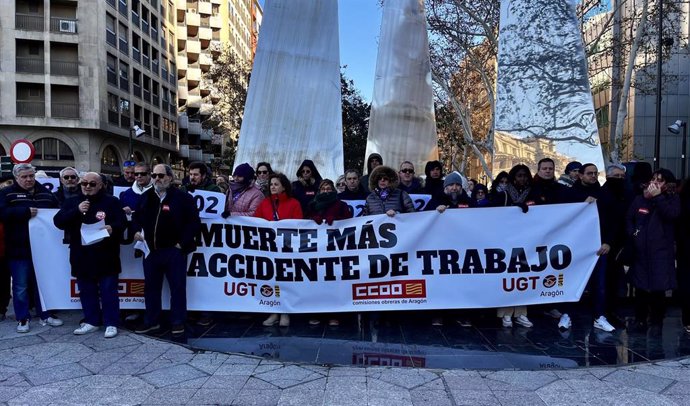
<point x="140" y="173"/>
<point x="127" y="164"/>
<point x="407" y="170"/>
<point x="69" y="177"/>
<point x="262" y="172"/>
<point x="158" y="175"/>
<point x="91" y="184"/>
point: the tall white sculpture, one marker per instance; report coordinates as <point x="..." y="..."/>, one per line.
<point x="543" y="93"/>
<point x="402" y="124"/>
<point x="293" y="109"/>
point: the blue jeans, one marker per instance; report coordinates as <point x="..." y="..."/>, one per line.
<point x="90" y="303"/>
<point x="24" y="281"/>
<point x="170" y="263"/>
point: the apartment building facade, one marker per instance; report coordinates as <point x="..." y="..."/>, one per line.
<point x="77" y="75"/>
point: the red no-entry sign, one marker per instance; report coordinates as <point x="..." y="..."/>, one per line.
<point x="22" y="151"/>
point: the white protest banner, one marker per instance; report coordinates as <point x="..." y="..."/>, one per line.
<point x="420" y="201"/>
<point x="357" y="207"/>
<point x="210" y="204"/>
<point x="471" y="258"/>
<point x="118" y="190"/>
<point x="52" y="184"/>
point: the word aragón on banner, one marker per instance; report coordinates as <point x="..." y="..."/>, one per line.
<point x="463" y="258"/>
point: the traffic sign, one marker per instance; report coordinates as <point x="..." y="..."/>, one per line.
<point x="22" y="151"/>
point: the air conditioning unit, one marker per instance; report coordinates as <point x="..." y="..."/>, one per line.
<point x="68" y="26"/>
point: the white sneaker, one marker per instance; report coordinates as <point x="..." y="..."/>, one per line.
<point x="133" y="317"/>
<point x="523" y="321"/>
<point x="602" y="324"/>
<point x="23" y="326"/>
<point x="272" y="320"/>
<point x="565" y="323"/>
<point x="85" y="328"/>
<point x="110" y="332"/>
<point x="52" y="322"/>
<point x="507" y="321"/>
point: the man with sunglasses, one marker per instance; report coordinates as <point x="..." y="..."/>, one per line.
<point x="408" y="182"/>
<point x="19" y="203"/>
<point x="127" y="178"/>
<point x="130" y="198"/>
<point x="69" y="185"/>
<point x="168" y="220"/>
<point x="98" y="285"/>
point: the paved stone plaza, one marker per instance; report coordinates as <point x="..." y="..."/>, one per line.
<point x="53" y="366"/>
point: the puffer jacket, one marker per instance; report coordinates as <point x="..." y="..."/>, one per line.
<point x="397" y="200"/>
<point x="247" y="202"/>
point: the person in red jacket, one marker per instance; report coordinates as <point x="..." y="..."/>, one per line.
<point x="280" y="205"/>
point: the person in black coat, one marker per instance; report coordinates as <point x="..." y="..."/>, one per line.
<point x="168" y="220"/>
<point x="587" y="189"/>
<point x="305" y="188"/>
<point x="545" y="188"/>
<point x="96" y="266"/>
<point x="683" y="253"/>
<point x="18" y="204"/>
<point x="353" y="189"/>
<point x="433" y="185"/>
<point x="69" y="185"/>
<point x="650" y="224"/>
<point x="453" y="196"/>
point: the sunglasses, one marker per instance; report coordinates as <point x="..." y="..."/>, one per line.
<point x="385" y="178"/>
<point x="91" y="184"/>
<point x="407" y="170"/>
<point x="127" y="164"/>
<point x="69" y="177"/>
<point x="158" y="175"/>
<point x="262" y="172"/>
<point x="306" y="171"/>
<point x="140" y="173"/>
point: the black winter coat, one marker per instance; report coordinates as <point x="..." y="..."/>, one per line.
<point x="580" y="192"/>
<point x="102" y="258"/>
<point x="653" y="222"/>
<point x="444" y="199"/>
<point x="545" y="192"/>
<point x="15" y="214"/>
<point x="175" y="220"/>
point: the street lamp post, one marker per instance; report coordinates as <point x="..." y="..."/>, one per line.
<point x="659" y="50"/>
<point x="675" y="129"/>
<point x="135" y="131"/>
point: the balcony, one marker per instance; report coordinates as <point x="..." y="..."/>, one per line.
<point x="206" y="109"/>
<point x="194" y="127"/>
<point x="193" y="76"/>
<point x="205" y="33"/>
<point x="196" y="155"/>
<point x="181" y="67"/>
<point x="64" y="68"/>
<point x="155" y="100"/>
<point x="29" y="65"/>
<point x="183" y="121"/>
<point x="64" y="110"/>
<point x="206" y="134"/>
<point x="193" y="101"/>
<point x="63" y="25"/>
<point x="205" y="7"/>
<point x="29" y="22"/>
<point x="184" y="151"/>
<point x="193" y="47"/>
<point x="205" y="62"/>
<point x="146" y="61"/>
<point x="31" y="108"/>
<point x="216" y="22"/>
<point x="193" y="21"/>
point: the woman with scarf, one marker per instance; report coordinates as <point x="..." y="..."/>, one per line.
<point x="243" y="196"/>
<point x="385" y="197"/>
<point x="497" y="193"/>
<point x="326" y="208"/>
<point x="280" y="205"/>
<point x="519" y="181"/>
<point x="263" y="172"/>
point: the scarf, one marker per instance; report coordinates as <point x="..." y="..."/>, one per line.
<point x="515" y="195"/>
<point x="322" y="201"/>
<point x="237" y="189"/>
<point x="383" y="194"/>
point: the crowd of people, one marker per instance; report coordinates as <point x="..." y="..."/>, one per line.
<point x="643" y="226"/>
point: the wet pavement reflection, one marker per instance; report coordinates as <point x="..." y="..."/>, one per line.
<point x="407" y="339"/>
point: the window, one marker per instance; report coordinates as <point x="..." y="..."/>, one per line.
<point x="113" y="107"/>
<point x="122" y="7"/>
<point x="52" y="149"/>
<point x="123" y="33"/>
<point x="109" y="161"/>
<point x="124" y="111"/>
<point x="112" y="70"/>
<point x="124" y="76"/>
<point x="110" y="30"/>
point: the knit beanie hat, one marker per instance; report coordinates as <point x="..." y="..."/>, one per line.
<point x="244" y="170"/>
<point x="452" y="178"/>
